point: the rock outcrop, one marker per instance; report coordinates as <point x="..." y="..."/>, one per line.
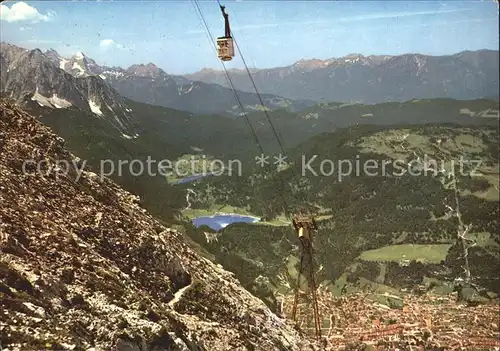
<point x="84" y="267"/>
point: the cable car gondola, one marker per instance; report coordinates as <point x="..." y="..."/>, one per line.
<point x="225" y="46"/>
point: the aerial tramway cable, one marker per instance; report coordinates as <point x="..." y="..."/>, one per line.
<point x="228" y="77"/>
<point x="233" y="39"/>
<point x="257" y="91"/>
<point x="307" y="253"/>
<point x="210" y="38"/>
<point x="278" y="139"/>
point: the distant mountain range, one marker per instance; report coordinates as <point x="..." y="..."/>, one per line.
<point x="47" y="79"/>
<point x="149" y="84"/>
<point x="374" y="79"/>
<point x="142" y="83"/>
<point x="353" y="78"/>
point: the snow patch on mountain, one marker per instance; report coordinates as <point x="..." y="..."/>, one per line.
<point x="111" y="74"/>
<point x="352" y="60"/>
<point x="95" y="108"/>
<point x="59" y="102"/>
<point x="52" y="102"/>
<point x="62" y="63"/>
<point x="76" y="65"/>
<point x="130" y="137"/>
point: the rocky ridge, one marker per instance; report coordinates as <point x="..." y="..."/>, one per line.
<point x="31" y="77"/>
<point x="84" y="267"/>
<point x="373" y="79"/>
<point x="149" y="84"/>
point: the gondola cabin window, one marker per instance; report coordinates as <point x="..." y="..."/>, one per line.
<point x="225" y="48"/>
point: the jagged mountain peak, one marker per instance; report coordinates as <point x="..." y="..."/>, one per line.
<point x="311" y="63"/>
<point x="78" y="65"/>
<point x="52" y="52"/>
<point x="353" y="54"/>
<point x="79" y="55"/>
<point x="145" y="70"/>
<point x="375" y="78"/>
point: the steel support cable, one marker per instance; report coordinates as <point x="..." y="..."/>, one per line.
<point x="260" y="148"/>
<point x="309" y="254"/>
<point x="266" y="113"/>
<point x="211" y="38"/>
<point x="280" y="143"/>
<point x="257" y="91"/>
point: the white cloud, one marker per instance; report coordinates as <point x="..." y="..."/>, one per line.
<point x="21" y="11"/>
<point x="106" y="43"/>
<point x="110" y="43"/>
<point x="388" y="15"/>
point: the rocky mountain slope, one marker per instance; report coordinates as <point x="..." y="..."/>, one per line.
<point x="83" y="265"/>
<point x="372" y="79"/>
<point x="30" y="77"/>
<point x="149" y="84"/>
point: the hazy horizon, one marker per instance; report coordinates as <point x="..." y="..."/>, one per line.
<point x="219" y="69"/>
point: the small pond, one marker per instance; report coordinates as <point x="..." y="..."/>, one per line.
<point x="220" y="221"/>
<point x="192" y="178"/>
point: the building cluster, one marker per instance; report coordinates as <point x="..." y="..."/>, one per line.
<point x="430" y="322"/>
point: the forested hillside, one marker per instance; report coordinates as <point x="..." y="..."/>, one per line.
<point x="381" y="208"/>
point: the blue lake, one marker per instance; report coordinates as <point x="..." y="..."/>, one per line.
<point x="218" y="222"/>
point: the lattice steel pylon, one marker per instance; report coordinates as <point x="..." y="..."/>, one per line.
<point x="305" y="225"/>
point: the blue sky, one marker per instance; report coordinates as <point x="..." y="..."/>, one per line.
<point x="269" y="33"/>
